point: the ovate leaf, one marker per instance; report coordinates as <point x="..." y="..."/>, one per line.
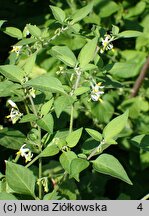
<point x="51" y="150"/>
<point x="10" y="138"/>
<point x="129" y="34"/>
<point x="7" y="88"/>
<point x="66" y="158"/>
<point x="64" y="54"/>
<point x="73" y="138"/>
<point x="46" y="123"/>
<point x="115" y="126"/>
<point x="13" y="32"/>
<point x="81" y="90"/>
<point x="77" y="165"/>
<point x="34" y="30"/>
<point x="61" y="103"/>
<point x="94" y="134"/>
<point x="2" y="22"/>
<point x="81" y="13"/>
<point x="20" y="179"/>
<point x="46" y="107"/>
<point x="7" y="196"/>
<point x="108" y="164"/>
<point x="58" y="14"/>
<point x="29" y="63"/>
<point x="108" y="9"/>
<point x="12" y="72"/>
<point x="28" y="118"/>
<point x="46" y="82"/>
<point x="87" y="53"/>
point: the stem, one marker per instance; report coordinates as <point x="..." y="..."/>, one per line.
<point x="16" y="158"/>
<point x="40" y="149"/>
<point x="140" y="79"/>
<point x="40" y="176"/>
<point x="78" y="72"/>
<point x="93" y="153"/>
<point x="33" y="105"/>
<point x="71" y="119"/>
<point x="32" y="161"/>
<point x="145" y="197"/>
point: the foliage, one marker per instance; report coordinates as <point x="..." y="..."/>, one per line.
<point x="65" y="87"/>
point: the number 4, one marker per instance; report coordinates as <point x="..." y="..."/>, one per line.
<point x="140" y="207"/>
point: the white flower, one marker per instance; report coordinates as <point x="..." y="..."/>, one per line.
<point x="96" y="91"/>
<point x="106" y="43"/>
<point x="25" y="152"/>
<point x="12" y="103"/>
<point x="15" y="114"/>
<point x="32" y="92"/>
<point x="16" y="49"/>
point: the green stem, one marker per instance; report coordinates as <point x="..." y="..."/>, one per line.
<point x="40" y="149"/>
<point x="33" y="105"/>
<point x="93" y="153"/>
<point x="71" y="119"/>
<point x="32" y="161"/>
<point x="16" y="158"/>
<point x="40" y="176"/>
<point x="78" y="72"/>
<point x="145" y="197"/>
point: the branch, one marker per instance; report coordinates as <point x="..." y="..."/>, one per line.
<point x="140" y="79"/>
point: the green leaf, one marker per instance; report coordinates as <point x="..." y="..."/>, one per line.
<point x="102" y="111"/>
<point x="2" y="22"/>
<point x="108" y="164"/>
<point x="81" y="13"/>
<point x="7" y="196"/>
<point x="20" y="179"/>
<point x="7" y="88"/>
<point x="13" y="32"/>
<point x="109" y="7"/>
<point x="69" y="189"/>
<point x="66" y="158"/>
<point x="129" y="34"/>
<point x="136" y="10"/>
<point x="12" y="72"/>
<point x="81" y="90"/>
<point x="61" y="103"/>
<point x="73" y="138"/>
<point x="28" y="118"/>
<point x="89" y="146"/>
<point x="115" y="30"/>
<point x="46" y="82"/>
<point x="46" y="107"/>
<point x="52" y="196"/>
<point x="121" y="70"/>
<point x="34" y="30"/>
<point x="134" y="60"/>
<point x="51" y="150"/>
<point x="87" y="53"/>
<point x="26" y="41"/>
<point x="94" y="134"/>
<point x="58" y="14"/>
<point x="114" y="127"/>
<point x="77" y="165"/>
<point x="141" y="141"/>
<point x="29" y="63"/>
<point x="10" y="138"/>
<point x="46" y="123"/>
<point x="64" y="54"/>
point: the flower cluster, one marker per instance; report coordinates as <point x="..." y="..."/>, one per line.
<point x="16" y="49"/>
<point x="15" y="114"/>
<point x="106" y="44"/>
<point x="96" y="91"/>
<point x="26" y="153"/>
